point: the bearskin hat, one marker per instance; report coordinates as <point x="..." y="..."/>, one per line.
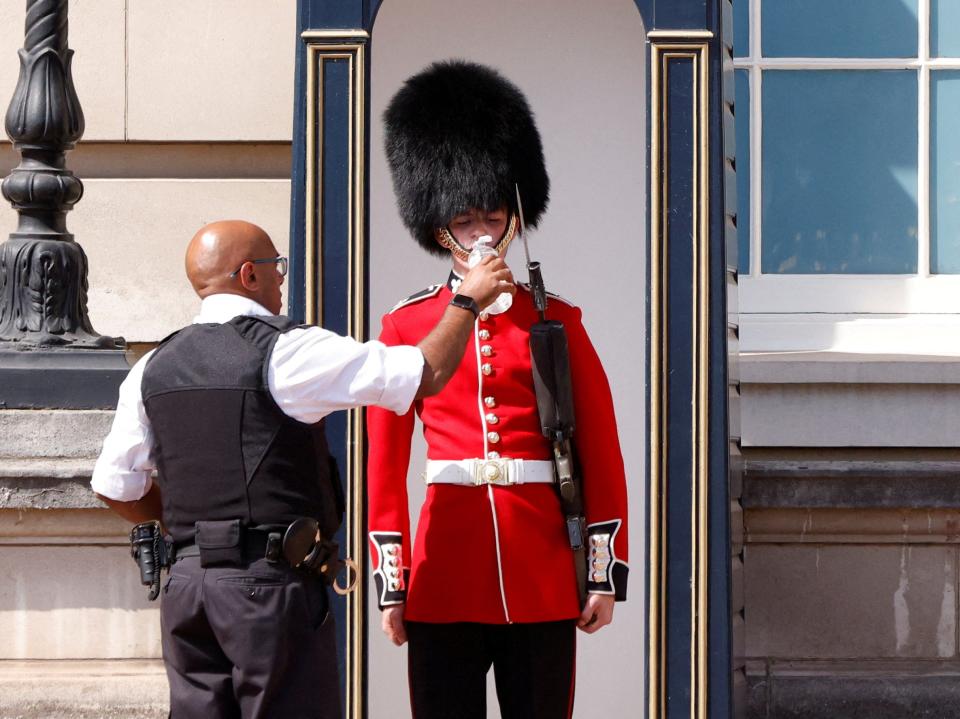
<point x="458" y="136"/>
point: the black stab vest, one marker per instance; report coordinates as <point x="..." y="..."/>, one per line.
<point x="224" y="449"/>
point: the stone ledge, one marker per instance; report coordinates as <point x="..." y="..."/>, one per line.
<point x="830" y="526"/>
<point x="83" y="689"/>
<point x="850" y="484"/>
<point x="47" y="491"/>
<point x="844" y="690"/>
<point x="46" y="468"/>
<point x="849" y="414"/>
<point x="28" y="433"/>
<point x="62" y="527"/>
<point x="846" y="368"/>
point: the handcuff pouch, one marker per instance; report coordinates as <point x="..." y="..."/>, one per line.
<point x="220" y="543"/>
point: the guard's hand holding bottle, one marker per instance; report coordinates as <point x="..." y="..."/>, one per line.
<point x="488" y="280"/>
<point x="483" y="247"/>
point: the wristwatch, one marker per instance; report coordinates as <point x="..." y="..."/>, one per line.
<point x="466" y="303"/>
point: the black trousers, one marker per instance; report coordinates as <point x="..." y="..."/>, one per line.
<point x="251" y="643"/>
<point x="533" y="665"/>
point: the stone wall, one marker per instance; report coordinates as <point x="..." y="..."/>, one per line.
<point x="189" y="115"/>
<point x="80" y="638"/>
<point x="188" y="119"/>
<point x="852" y="502"/>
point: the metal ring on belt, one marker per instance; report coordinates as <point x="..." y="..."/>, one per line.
<point x="476" y="472"/>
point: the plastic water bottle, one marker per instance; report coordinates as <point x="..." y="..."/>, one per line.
<point x="482" y="248"/>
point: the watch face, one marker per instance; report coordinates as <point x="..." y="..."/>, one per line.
<point x="467" y="303"/>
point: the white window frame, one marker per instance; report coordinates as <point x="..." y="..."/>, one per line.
<point x="771" y="302"/>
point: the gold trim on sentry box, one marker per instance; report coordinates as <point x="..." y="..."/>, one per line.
<point x="679" y="34"/>
<point x="322" y="47"/>
<point x="343" y="36"/>
<point x="356" y="312"/>
<point x="662" y="54"/>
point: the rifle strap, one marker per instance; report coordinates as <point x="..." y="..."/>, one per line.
<point x="580" y="565"/>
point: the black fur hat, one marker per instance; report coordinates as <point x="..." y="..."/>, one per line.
<point x="458" y="136"/>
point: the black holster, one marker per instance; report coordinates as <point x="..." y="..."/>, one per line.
<point x="152" y="553"/>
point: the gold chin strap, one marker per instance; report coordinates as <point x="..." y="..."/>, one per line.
<point x="460" y="252"/>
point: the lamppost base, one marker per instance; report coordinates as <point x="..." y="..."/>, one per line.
<point x="61" y="379"/>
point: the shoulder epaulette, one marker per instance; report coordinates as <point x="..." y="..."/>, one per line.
<point x="431" y="291"/>
<point x="551" y="295"/>
<point x="555" y="296"/>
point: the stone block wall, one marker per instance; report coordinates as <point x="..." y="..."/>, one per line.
<point x="80" y="638"/>
<point x="188" y="111"/>
<point x="852" y="545"/>
<point x="189" y="116"/>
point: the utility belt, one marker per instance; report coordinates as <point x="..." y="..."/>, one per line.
<point x="228" y="543"/>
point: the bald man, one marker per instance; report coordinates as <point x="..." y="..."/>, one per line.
<point x="230" y="411"/>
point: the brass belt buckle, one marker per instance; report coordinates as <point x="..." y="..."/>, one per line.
<point x="492" y="471"/>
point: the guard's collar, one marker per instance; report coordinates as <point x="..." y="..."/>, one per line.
<point x="453" y="282"/>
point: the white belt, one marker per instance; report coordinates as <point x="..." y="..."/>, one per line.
<point x="489" y="471"/>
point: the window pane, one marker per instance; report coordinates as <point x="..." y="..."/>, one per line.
<point x="839" y="28"/>
<point x="944" y="172"/>
<point x="945" y="28"/>
<point x="742" y="110"/>
<point x="741" y="27"/>
<point x="839" y="172"/>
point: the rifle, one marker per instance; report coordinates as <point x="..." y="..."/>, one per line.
<point x="550" y="358"/>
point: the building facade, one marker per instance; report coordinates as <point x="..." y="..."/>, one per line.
<point x="188" y="118"/>
<point x="847" y="176"/>
<point x="191" y="115"/>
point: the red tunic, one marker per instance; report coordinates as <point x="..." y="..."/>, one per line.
<point x="493" y="553"/>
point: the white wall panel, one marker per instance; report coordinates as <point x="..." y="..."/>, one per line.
<point x="135" y="233"/>
<point x="211" y="70"/>
<point x="582" y="68"/>
<point x="96" y="35"/>
<point x="81" y="602"/>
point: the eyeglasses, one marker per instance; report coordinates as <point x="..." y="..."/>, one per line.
<point x="281" y="263"/>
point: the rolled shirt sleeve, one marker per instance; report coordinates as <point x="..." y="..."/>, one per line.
<point x="313" y="372"/>
<point x="126" y="462"/>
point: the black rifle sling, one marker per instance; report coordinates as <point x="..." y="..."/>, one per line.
<point x="550" y="360"/>
<point x="551" y="379"/>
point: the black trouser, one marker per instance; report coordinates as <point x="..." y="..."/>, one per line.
<point x="533" y="665"/>
<point x="252" y="642"/>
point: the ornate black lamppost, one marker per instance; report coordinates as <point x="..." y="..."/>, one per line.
<point x="50" y="355"/>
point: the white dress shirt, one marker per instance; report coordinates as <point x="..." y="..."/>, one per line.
<point x="311" y="373"/>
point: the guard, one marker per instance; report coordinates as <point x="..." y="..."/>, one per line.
<point x="490" y="579"/>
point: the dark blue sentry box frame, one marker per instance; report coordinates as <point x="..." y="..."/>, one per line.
<point x="690" y="163"/>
